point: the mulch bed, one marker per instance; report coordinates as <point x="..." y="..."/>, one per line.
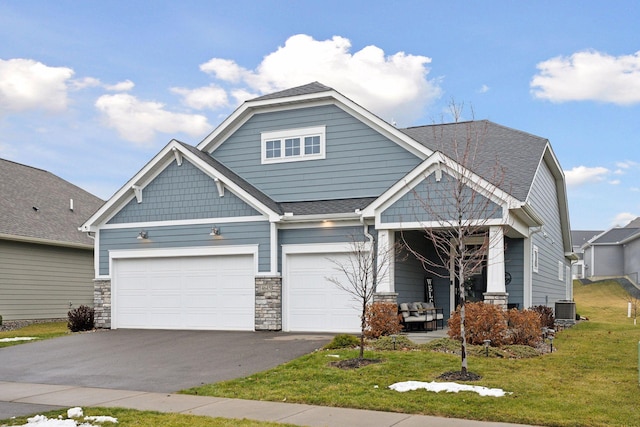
<point x="354" y="363"/>
<point x="459" y="376"/>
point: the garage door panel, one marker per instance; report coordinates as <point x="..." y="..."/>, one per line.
<point x="197" y="292"/>
<point x="314" y="303"/>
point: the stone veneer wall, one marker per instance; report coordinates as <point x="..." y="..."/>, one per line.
<point x="497" y="298"/>
<point x="385" y="297"/>
<point x="102" y="303"/>
<point x="268" y="315"/>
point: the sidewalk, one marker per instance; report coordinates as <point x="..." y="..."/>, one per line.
<point x="21" y="397"/>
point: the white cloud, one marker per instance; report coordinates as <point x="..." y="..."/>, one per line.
<point x="614" y="182"/>
<point x="26" y="84"/>
<point x="124" y="86"/>
<point x="211" y="97"/>
<point x="392" y="86"/>
<point x="139" y="121"/>
<point x="484" y="89"/>
<point x="623" y="219"/>
<point x="85" y="82"/>
<point x="581" y="175"/>
<point x="589" y="75"/>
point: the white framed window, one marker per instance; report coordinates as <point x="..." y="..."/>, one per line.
<point x="293" y="145"/>
<point x="560" y="271"/>
<point x="535" y="262"/>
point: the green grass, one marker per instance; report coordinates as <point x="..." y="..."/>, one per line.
<point x="133" y="418"/>
<point x="37" y="330"/>
<point x="591" y="379"/>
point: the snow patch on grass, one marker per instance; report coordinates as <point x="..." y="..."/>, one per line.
<point x="448" y="387"/>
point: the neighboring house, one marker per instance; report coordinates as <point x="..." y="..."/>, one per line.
<point x="578" y="239"/>
<point x="46" y="263"/>
<point x="240" y="232"/>
<point x="614" y="253"/>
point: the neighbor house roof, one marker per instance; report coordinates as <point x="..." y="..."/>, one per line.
<point x="36" y="206"/>
<point x="615" y="236"/>
<point x="580" y="237"/>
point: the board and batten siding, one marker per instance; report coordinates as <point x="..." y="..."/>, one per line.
<point x="187" y="236"/>
<point x="181" y="193"/>
<point x="427" y="202"/>
<point x="547" y="287"/>
<point x="359" y="162"/>
<point x="42" y="282"/>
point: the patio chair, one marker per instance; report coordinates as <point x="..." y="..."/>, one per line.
<point x="435" y="312"/>
<point x="411" y="316"/>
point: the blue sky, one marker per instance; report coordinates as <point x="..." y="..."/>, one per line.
<point x="91" y="91"/>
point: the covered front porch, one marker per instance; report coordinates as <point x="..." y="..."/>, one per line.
<point x="500" y="280"/>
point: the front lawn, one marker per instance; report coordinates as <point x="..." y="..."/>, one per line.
<point x="590" y="379"/>
<point x="130" y="417"/>
<point x="39" y="331"/>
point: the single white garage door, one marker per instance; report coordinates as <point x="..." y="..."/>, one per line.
<point x="312" y="303"/>
<point x="191" y="292"/>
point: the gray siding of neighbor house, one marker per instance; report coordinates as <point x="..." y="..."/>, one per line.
<point x="300" y="236"/>
<point x="609" y="260"/>
<point x="409" y="273"/>
<point x="184" y="236"/>
<point x="426" y="203"/>
<point x="359" y="161"/>
<point x="180" y="193"/>
<point x="40" y="281"/>
<point x="547" y="287"/>
<point x="514" y="265"/>
<point x="632" y="259"/>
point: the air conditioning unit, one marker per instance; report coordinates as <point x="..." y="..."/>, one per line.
<point x="565" y="310"/>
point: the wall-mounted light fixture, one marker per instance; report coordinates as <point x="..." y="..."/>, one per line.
<point x="215" y="231"/>
<point x="142" y="235"/>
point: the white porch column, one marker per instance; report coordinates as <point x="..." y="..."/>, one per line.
<point x="495" y="261"/>
<point x="386" y="254"/>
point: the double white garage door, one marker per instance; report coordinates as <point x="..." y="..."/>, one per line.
<point x="218" y="293"/>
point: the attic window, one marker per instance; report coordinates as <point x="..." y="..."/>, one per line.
<point x="293" y="145"/>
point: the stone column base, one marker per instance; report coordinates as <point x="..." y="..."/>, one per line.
<point x="385" y="297"/>
<point x="268" y="315"/>
<point x="102" y="303"/>
<point x="497" y="298"/>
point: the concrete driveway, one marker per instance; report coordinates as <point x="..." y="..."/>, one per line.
<point x="151" y="360"/>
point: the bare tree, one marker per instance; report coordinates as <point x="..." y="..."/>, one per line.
<point x="454" y="208"/>
<point x="360" y="275"/>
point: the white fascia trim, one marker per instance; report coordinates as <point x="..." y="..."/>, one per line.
<point x="185" y="252"/>
<point x="418" y="225"/>
<point x="320" y="217"/>
<point x="319" y="224"/>
<point x="273" y="241"/>
<point x="248" y="109"/>
<point x="151" y="170"/>
<point x="436" y="162"/>
<point x="222" y="220"/>
<point x="317" y="248"/>
<point x="47" y="242"/>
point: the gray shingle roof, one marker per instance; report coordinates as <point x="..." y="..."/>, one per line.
<point x="616" y="235"/>
<point x="580" y="237"/>
<point x="320" y="207"/>
<point x="23" y="188"/>
<point x="307" y="89"/>
<point x="517" y="152"/>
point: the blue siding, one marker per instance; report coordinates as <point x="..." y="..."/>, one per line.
<point x="187" y="236"/>
<point x="180" y="193"/>
<point x="359" y="161"/>
<point x="299" y="236"/>
<point x="514" y="265"/>
<point x="431" y="200"/>
<point x="547" y="288"/>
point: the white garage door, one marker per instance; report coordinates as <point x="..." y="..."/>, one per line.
<point x="192" y="292"/>
<point x="311" y="302"/>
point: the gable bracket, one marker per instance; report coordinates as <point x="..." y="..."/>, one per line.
<point x="220" y="186"/>
<point x="178" y="156"/>
<point x="137" y="190"/>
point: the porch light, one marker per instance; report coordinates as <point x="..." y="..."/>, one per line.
<point x="142" y="235"/>
<point x="215" y="231"/>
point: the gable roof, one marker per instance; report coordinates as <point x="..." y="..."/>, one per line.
<point x="580" y="237"/>
<point x="517" y="153"/>
<point x="616" y="236"/>
<point x="307" y="89"/>
<point x="634" y="224"/>
<point x="35" y="206"/>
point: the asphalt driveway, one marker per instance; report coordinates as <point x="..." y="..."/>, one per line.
<point x="151" y="360"/>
